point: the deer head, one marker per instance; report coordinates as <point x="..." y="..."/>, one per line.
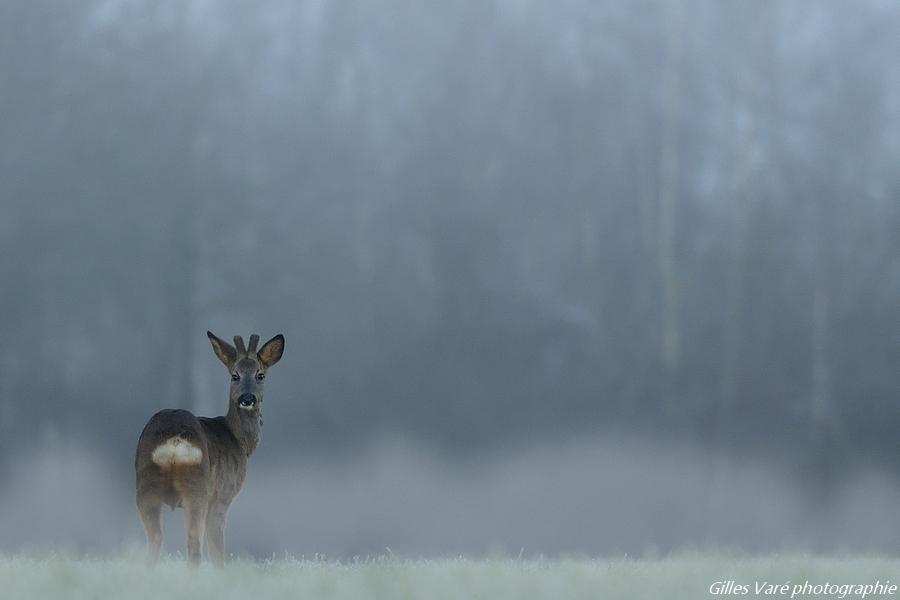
<point x="248" y="368"/>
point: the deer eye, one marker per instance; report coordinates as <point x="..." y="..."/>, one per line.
<point x="260" y="376"/>
<point x="235" y="377"/>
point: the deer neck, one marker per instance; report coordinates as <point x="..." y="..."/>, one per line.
<point x="246" y="427"/>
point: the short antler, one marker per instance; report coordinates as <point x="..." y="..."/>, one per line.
<point x="254" y="340"/>
<point x="239" y="344"/>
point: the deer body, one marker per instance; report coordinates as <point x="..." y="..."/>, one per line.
<point x="199" y="463"/>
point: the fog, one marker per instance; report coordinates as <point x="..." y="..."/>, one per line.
<point x="554" y="278"/>
<point x="616" y="497"/>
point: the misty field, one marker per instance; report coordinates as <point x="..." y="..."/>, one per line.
<point x="686" y="576"/>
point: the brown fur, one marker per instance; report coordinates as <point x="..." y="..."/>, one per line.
<point x="199" y="463"/>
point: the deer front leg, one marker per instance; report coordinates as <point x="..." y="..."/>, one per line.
<point x="194" y="523"/>
<point x="215" y="532"/>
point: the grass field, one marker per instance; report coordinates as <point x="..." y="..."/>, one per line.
<point x="685" y="576"/>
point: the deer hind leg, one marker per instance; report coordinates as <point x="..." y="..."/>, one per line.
<point x="194" y="524"/>
<point x="149" y="509"/>
<point x="215" y="532"/>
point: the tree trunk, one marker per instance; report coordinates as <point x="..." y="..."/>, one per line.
<point x="670" y="342"/>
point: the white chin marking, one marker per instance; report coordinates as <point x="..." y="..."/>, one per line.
<point x="176" y="451"/>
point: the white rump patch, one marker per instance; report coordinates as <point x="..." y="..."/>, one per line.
<point x="177" y="451"/>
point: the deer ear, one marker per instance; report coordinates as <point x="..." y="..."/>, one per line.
<point x="225" y="351"/>
<point x="271" y="351"/>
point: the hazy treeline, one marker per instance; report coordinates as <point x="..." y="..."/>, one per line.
<point x="477" y="223"/>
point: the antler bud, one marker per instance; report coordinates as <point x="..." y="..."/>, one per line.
<point x="254" y="340"/>
<point x="239" y="344"/>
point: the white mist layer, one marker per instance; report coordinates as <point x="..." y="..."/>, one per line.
<point x="598" y="497"/>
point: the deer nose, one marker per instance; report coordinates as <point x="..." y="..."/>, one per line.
<point x="247" y="400"/>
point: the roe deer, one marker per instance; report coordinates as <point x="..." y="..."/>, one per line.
<point x="199" y="463"/>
